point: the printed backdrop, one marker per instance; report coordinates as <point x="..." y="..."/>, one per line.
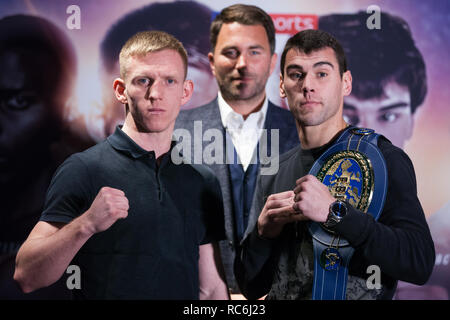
<point x="75" y="84"/>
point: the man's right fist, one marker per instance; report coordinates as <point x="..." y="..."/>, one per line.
<point x="108" y="206"/>
<point x="278" y="210"/>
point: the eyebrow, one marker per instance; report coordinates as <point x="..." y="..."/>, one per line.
<point x="255" y="46"/>
<point x="386" y="108"/>
<point x="170" y="74"/>
<point x="349" y="106"/>
<point x="229" y="47"/>
<point x="12" y="90"/>
<point x="317" y="64"/>
<point x="321" y="63"/>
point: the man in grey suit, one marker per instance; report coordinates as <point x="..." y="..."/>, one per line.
<point x="240" y="120"/>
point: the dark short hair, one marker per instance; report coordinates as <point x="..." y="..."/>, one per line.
<point x="378" y="56"/>
<point x="311" y="40"/>
<point x="246" y="15"/>
<point x="188" y="21"/>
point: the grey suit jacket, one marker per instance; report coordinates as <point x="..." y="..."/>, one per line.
<point x="209" y="114"/>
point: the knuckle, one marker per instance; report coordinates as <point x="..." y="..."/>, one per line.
<point x="110" y="209"/>
<point x="104" y="189"/>
<point x="272" y="213"/>
<point x="275" y="204"/>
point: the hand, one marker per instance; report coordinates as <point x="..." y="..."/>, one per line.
<point x="312" y="198"/>
<point x="108" y="206"/>
<point x="277" y="211"/>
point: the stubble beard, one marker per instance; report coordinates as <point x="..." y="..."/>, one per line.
<point x="242" y="91"/>
<point x="312" y="117"/>
<point x="307" y="118"/>
<point x="139" y="120"/>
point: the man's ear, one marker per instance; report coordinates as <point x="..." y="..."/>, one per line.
<point x="282" y="90"/>
<point x="188" y="90"/>
<point x="347" y="83"/>
<point x="119" y="90"/>
<point x="211" y="63"/>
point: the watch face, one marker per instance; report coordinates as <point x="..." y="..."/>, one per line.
<point x="339" y="209"/>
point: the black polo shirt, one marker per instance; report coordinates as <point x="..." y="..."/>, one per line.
<point x="153" y="253"/>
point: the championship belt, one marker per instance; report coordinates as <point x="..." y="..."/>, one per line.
<point x="354" y="171"/>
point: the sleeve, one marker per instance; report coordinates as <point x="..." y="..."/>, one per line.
<point x="399" y="242"/>
<point x="213" y="215"/>
<point x="254" y="262"/>
<point x="67" y="196"/>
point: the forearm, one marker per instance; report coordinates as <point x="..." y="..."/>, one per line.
<point x="403" y="250"/>
<point x="399" y="242"/>
<point x="42" y="260"/>
<point x="215" y="291"/>
<point x="211" y="274"/>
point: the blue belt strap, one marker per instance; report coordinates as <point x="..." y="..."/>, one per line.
<point x="330" y="284"/>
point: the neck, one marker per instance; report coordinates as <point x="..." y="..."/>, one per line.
<point x="248" y="106"/>
<point x="317" y="136"/>
<point x="158" y="142"/>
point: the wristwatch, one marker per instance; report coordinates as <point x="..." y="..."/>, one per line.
<point x="338" y="210"/>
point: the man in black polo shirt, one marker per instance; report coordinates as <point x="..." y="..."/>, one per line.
<point x="137" y="225"/>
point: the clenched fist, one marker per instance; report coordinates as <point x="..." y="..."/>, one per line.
<point x="312" y="198"/>
<point x="108" y="206"/>
<point x="277" y="211"/>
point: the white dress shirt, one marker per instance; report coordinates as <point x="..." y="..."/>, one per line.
<point x="245" y="134"/>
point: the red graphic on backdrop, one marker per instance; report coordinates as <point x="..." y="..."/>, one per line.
<point x="293" y="23"/>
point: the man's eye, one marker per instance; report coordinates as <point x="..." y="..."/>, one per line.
<point x="389" y="117"/>
<point x="19" y="101"/>
<point x="232" y="54"/>
<point x="254" y="52"/>
<point x="170" y="81"/>
<point x="296" y="75"/>
<point x="322" y="74"/>
<point x="143" y="81"/>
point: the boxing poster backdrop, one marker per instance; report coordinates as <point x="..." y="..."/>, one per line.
<point x="58" y="60"/>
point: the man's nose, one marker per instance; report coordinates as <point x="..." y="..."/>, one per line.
<point x="155" y="90"/>
<point x="241" y="62"/>
<point x="366" y="121"/>
<point x="308" y="84"/>
<point x="362" y="122"/>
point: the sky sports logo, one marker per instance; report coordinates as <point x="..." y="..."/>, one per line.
<point x="293" y="23"/>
